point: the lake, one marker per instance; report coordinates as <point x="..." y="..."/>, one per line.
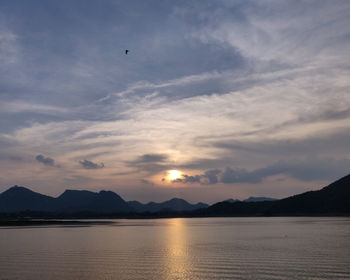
<point x="194" y="248"/>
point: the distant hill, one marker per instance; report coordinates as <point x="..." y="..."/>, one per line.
<point x="333" y="199"/>
<point x="175" y="204"/>
<point x="18" y="199"/>
<point x="231" y="200"/>
<point x="257" y="199"/>
<point x="250" y="199"/>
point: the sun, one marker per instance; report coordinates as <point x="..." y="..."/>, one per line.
<point x="174" y="174"/>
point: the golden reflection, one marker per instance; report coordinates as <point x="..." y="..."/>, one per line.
<point x="178" y="263"/>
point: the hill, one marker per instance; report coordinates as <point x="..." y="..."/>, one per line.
<point x="258" y="199"/>
<point x="333" y="199"/>
<point x="81" y="200"/>
<point x="20" y="198"/>
<point x="175" y="204"/>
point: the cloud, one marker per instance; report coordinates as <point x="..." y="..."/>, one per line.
<point x="151" y="163"/>
<point x="45" y="160"/>
<point x="151" y="158"/>
<point x="211" y="176"/>
<point x="208" y="178"/>
<point x="333" y="141"/>
<point x="91" y="165"/>
<point x="273" y="88"/>
<point x="276" y="33"/>
<point x="307" y="170"/>
<point x="230" y="175"/>
<point x="146" y="182"/>
<point x="187" y="179"/>
<point x="8" y="47"/>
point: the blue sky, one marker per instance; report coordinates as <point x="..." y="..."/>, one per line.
<point x="242" y="97"/>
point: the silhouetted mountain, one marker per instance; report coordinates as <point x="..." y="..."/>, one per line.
<point x="80" y="200"/>
<point x="250" y="199"/>
<point x="137" y="206"/>
<point x="333" y="199"/>
<point x="175" y="204"/>
<point x="108" y="201"/>
<point x="20" y="198"/>
<point x="231" y="200"/>
<point x="73" y="199"/>
<point x="257" y="199"/>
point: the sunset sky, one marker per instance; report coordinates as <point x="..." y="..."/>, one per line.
<point x="215" y="99"/>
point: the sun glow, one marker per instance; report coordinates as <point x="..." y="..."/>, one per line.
<point x="174" y="174"/>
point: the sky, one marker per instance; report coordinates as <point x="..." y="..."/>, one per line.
<point x="240" y="98"/>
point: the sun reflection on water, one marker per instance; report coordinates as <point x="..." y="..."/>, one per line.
<point x="178" y="263"/>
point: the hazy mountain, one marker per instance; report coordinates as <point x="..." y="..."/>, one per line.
<point x="175" y="204"/>
<point x="333" y="199"/>
<point x="257" y="199"/>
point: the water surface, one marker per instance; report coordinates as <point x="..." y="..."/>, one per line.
<point x="204" y="248"/>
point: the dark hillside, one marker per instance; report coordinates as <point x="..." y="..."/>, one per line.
<point x="20" y="198"/>
<point x="331" y="200"/>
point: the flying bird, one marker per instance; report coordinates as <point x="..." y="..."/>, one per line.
<point x="126" y="51"/>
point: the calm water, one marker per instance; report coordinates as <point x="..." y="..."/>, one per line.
<point x="213" y="248"/>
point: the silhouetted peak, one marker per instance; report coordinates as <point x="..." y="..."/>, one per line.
<point x="109" y="194"/>
<point x="103" y="192"/>
<point x="258" y="199"/>
<point x="17" y="189"/>
<point x="75" y="198"/>
<point x="176" y="199"/>
<point x="342" y="183"/>
<point x="231" y="200"/>
<point x="71" y="193"/>
<point x="68" y="191"/>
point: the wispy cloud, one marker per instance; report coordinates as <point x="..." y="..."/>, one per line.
<point x="306" y="170"/>
<point x="146" y="158"/>
<point x="227" y="92"/>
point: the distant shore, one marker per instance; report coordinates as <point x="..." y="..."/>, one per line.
<point x="107" y="220"/>
<point x="11" y="223"/>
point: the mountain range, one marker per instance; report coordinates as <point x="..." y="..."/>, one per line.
<point x="17" y="199"/>
<point x="333" y="199"/>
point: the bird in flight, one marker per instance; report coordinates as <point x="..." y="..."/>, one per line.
<point x="126" y="51"/>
